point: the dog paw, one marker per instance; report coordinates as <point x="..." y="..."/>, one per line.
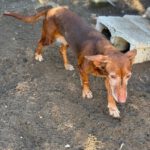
<point x="38" y="57"/>
<point x="87" y="94"/>
<point x="69" y="67"/>
<point x="114" y="112"/>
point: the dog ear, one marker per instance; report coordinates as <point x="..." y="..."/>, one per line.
<point x="131" y="54"/>
<point x="98" y="59"/>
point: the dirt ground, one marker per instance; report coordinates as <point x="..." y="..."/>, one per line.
<point x="41" y="107"/>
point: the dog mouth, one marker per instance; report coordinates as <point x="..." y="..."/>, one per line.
<point x="122" y="101"/>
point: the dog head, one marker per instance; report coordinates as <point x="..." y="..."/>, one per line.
<point x="118" y="68"/>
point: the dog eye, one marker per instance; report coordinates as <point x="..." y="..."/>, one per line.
<point x="128" y="76"/>
<point x="102" y="67"/>
<point x="113" y="76"/>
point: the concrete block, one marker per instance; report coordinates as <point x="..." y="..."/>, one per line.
<point x="147" y="13"/>
<point x="104" y="1"/>
<point x="142" y="23"/>
<point x="127" y="33"/>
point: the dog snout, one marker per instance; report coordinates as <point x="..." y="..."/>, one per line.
<point x="122" y="95"/>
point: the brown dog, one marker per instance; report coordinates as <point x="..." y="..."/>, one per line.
<point x="95" y="54"/>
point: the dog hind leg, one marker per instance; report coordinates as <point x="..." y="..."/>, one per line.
<point x="46" y="39"/>
<point x="38" y="51"/>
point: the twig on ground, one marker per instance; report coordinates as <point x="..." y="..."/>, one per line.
<point x="121" y="146"/>
<point x="110" y="2"/>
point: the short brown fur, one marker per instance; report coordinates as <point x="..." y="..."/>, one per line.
<point x="95" y="54"/>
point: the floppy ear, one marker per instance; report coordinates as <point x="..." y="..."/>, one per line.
<point x="98" y="59"/>
<point x="131" y="54"/>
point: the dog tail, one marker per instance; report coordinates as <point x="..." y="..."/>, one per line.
<point x="27" y="19"/>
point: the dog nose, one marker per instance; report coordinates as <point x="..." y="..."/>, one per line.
<point x="122" y="98"/>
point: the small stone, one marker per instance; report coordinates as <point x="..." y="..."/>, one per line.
<point x="40" y="117"/>
<point x="67" y="146"/>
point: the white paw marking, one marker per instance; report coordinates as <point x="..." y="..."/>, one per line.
<point x="69" y="67"/>
<point x="38" y="57"/>
<point x="87" y="94"/>
<point x="114" y="112"/>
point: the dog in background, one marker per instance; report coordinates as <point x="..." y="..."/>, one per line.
<point x="95" y="54"/>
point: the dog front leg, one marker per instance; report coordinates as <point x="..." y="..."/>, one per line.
<point x="63" y="51"/>
<point x="86" y="92"/>
<point x="113" y="110"/>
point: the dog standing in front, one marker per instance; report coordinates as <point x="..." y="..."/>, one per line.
<point x="95" y="54"/>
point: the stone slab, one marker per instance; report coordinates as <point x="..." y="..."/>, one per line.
<point x="133" y="29"/>
<point x="121" y="27"/>
<point x="142" y="23"/>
